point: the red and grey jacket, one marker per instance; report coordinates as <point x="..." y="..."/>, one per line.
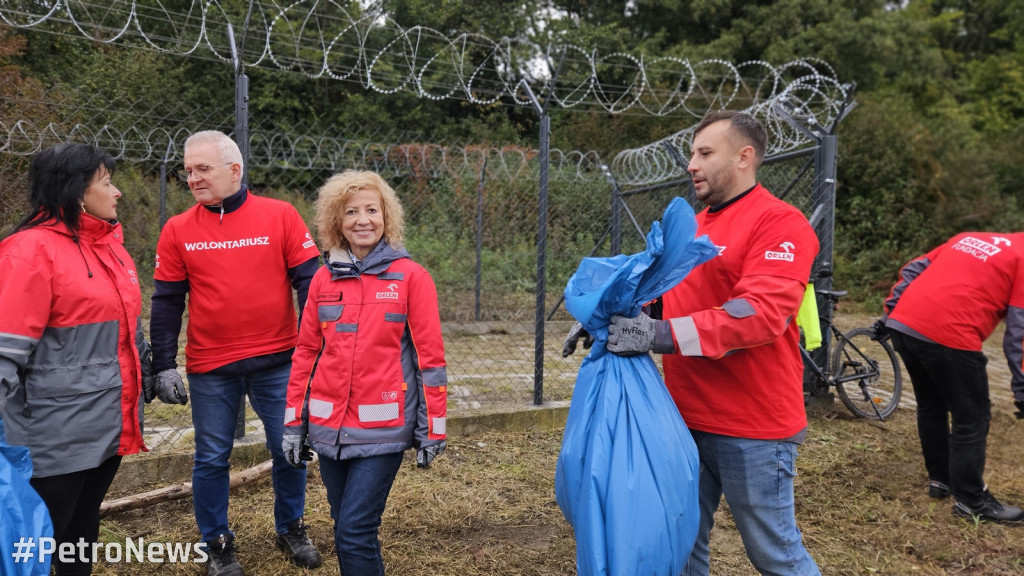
<point x="956" y="295"/>
<point x="71" y="340"/>
<point x="369" y="375"/>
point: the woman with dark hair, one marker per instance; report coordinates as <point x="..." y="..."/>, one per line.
<point x="73" y="357"/>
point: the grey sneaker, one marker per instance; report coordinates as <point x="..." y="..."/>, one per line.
<point x="297" y="545"/>
<point x="990" y="510"/>
<point x="222" y="560"/>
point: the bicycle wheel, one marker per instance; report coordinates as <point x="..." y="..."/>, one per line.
<point x="867" y="374"/>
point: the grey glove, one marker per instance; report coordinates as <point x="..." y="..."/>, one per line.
<point x="639" y="335"/>
<point x="170" y="388"/>
<point x="296" y="451"/>
<point x="426" y="455"/>
<point x="571" y="339"/>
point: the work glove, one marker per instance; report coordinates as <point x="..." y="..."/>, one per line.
<point x="1020" y="409"/>
<point x="577" y="331"/>
<point x="146" y="367"/>
<point x="148" y="387"/>
<point x="879" y="330"/>
<point x="169" y="387"/>
<point x="295" y="449"/>
<point x="639" y="335"/>
<point x="426" y="455"/>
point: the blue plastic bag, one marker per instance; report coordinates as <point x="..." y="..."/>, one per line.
<point x="25" y="517"/>
<point x="626" y="477"/>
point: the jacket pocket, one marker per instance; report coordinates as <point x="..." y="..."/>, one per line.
<point x="329" y="312"/>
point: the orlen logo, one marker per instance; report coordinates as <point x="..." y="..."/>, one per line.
<point x="391" y="294"/>
<point x="309" y="242"/>
<point x="786" y="255"/>
<point x="979" y="248"/>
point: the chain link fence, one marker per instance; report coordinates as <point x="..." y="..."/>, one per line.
<point x="472" y="221"/>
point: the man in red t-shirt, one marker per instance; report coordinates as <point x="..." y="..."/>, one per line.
<point x="945" y="305"/>
<point x="731" y="347"/>
<point x="237" y="257"/>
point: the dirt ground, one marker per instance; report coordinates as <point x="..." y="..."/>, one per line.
<point x="487" y="507"/>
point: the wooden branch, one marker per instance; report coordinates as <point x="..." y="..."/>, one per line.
<point x="181" y="490"/>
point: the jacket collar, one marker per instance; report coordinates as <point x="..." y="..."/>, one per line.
<point x="231" y="203"/>
<point x="378" y="260"/>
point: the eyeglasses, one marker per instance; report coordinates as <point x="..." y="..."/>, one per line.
<point x="201" y="171"/>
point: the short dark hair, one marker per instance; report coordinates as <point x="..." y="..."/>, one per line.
<point x="58" y="177"/>
<point x="746" y="125"/>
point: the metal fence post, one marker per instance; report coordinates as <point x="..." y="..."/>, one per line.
<point x="542" y="233"/>
<point x="479" y="237"/>
<point x="163" y="183"/>
<point x="242" y="139"/>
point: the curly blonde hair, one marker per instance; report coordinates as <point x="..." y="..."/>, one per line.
<point x="330" y="208"/>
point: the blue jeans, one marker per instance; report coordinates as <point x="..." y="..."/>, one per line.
<point x="357" y="490"/>
<point x="756" y="477"/>
<point x="215" y="399"/>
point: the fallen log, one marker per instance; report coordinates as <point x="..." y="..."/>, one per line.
<point x="181" y="490"/>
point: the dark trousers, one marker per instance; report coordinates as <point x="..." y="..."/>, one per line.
<point x="953" y="413"/>
<point x="74" y="500"/>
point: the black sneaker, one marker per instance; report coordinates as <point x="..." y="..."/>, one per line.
<point x="297" y="545"/>
<point x="990" y="510"/>
<point x="937" y="490"/>
<point x="222" y="560"/>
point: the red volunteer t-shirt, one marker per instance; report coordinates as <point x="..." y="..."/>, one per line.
<point x="749" y="381"/>
<point x="961" y="296"/>
<point x="240" y="301"/>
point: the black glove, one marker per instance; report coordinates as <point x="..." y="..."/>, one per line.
<point x="426" y="455"/>
<point x="879" y="330"/>
<point x="571" y="339"/>
<point x="1020" y="409"/>
<point x="146" y="367"/>
<point x="296" y="451"/>
<point x="148" y="387"/>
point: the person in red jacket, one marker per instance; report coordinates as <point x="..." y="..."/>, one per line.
<point x="368" y="377"/>
<point x="944" y="306"/>
<point x="74" y="361"/>
<point x="731" y="347"/>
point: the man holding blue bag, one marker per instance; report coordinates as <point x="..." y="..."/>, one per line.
<point x="731" y="347"/>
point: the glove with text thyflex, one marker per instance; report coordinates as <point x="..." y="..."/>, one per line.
<point x="426" y="454"/>
<point x="170" y="389"/>
<point x="572" y="339"/>
<point x="295" y="449"/>
<point x="639" y="335"/>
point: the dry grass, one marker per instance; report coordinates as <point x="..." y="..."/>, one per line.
<point x="487" y="507"/>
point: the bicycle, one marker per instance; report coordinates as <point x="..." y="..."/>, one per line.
<point x="869" y="388"/>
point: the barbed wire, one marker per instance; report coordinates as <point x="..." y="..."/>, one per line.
<point x="278" y="150"/>
<point x="812" y="100"/>
<point x="323" y="39"/>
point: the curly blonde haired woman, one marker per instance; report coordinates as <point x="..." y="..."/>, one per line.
<point x="368" y="377"/>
